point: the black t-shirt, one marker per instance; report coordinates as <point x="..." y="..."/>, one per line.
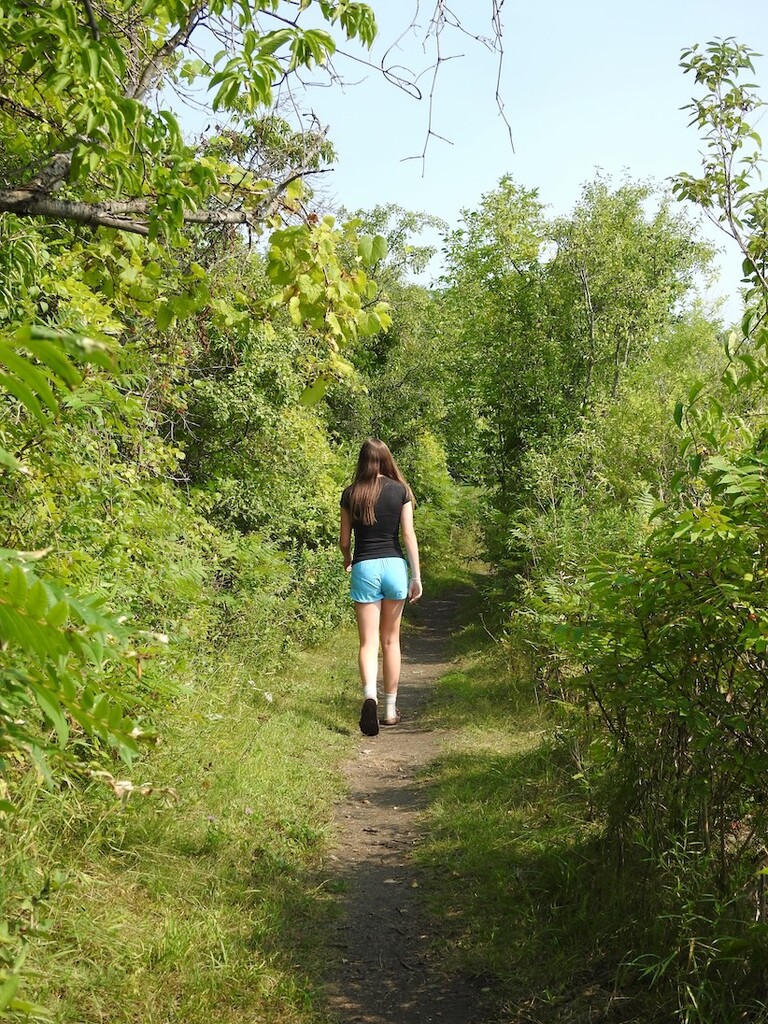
<point x="382" y="539"/>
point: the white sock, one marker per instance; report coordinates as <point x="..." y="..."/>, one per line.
<point x="390" y="706"/>
<point x="369" y="691"/>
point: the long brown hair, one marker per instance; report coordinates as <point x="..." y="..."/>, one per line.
<point x="374" y="461"/>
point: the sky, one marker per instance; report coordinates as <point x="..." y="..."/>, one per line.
<point x="586" y="86"/>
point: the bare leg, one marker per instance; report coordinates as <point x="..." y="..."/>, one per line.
<point x="368" y="616"/>
<point x="389" y="631"/>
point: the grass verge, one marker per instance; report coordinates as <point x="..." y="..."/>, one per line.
<point x="204" y="905"/>
<point x="529" y="895"/>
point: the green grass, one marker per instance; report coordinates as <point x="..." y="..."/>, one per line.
<point x="530" y="902"/>
<point x="205" y="901"/>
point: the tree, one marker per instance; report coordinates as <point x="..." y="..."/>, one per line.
<point x="80" y="145"/>
<point x="621" y="276"/>
<point x="490" y="307"/>
<point x="80" y="140"/>
<point x="725" y="188"/>
<point x="547" y="316"/>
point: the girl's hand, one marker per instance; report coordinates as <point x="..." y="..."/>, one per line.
<point x="414" y="590"/>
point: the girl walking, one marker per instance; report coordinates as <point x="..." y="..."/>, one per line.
<point x="378" y="508"/>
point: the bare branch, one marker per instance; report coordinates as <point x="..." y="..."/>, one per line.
<point x="499" y="31"/>
<point x="392" y="74"/>
<point x="443" y="17"/>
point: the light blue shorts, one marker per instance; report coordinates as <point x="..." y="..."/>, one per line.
<point x="378" y="578"/>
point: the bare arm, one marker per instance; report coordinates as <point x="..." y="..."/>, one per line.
<point x="411" y="550"/>
<point x="345" y="538"/>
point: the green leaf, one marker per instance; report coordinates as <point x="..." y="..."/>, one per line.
<point x="311" y="395"/>
<point x="29" y="1009"/>
<point x="678" y="414"/>
<point x="8" y="990"/>
<point x="165" y="317"/>
<point x="101" y="708"/>
<point x="48" y="352"/>
<point x="378" y="248"/>
<point x="37" y="602"/>
<point x="53" y="712"/>
<point x="16" y="585"/>
<point x="20" y="391"/>
<point x="31" y="375"/>
<point x="694" y="392"/>
<point x="272" y="41"/>
<point x="365" y="249"/>
<point x="8" y="460"/>
<point x="58" y="614"/>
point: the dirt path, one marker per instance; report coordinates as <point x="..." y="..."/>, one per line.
<point x="386" y="972"/>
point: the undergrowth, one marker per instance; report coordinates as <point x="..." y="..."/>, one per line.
<point x="536" y="900"/>
<point x="198" y="900"/>
<point x="196" y="890"/>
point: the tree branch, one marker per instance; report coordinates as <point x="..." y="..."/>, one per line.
<point x="30" y="203"/>
<point x="154" y="67"/>
<point x="8" y="103"/>
<point x="132" y="215"/>
<point x="56" y="173"/>
<point x="91" y="20"/>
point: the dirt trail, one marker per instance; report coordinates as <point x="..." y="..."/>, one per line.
<point x="385" y="972"/>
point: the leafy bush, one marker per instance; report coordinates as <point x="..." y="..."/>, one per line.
<point x="665" y="646"/>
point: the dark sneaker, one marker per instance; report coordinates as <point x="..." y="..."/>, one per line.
<point x="369" y="718"/>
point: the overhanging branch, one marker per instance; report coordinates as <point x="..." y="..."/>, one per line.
<point x="133" y="215"/>
<point x="125" y="216"/>
<point x="25" y="203"/>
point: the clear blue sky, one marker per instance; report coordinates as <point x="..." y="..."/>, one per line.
<point x="585" y="85"/>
